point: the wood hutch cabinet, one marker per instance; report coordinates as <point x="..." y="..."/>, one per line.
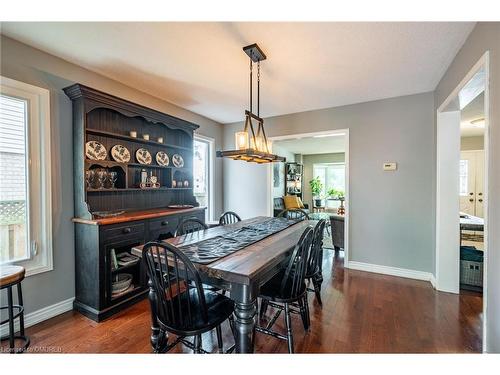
<point x="101" y="117"/>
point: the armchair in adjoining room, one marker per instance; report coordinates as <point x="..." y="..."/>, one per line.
<point x="279" y="205"/>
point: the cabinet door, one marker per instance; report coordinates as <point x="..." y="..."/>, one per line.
<point x="479" y="184"/>
<point x="468" y="182"/>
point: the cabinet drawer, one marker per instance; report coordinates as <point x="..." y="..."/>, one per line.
<point x="164" y="223"/>
<point x="128" y="230"/>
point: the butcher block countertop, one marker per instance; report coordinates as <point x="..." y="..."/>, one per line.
<point x="136" y="215"/>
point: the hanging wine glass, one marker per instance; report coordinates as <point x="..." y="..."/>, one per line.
<point x="89" y="176"/>
<point x="101" y="178"/>
<point x="113" y="177"/>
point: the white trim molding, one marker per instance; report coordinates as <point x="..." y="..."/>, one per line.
<point x="211" y="173"/>
<point x="38" y="177"/>
<point x="41" y="315"/>
<point x="338" y="132"/>
<point x="393" y="271"/>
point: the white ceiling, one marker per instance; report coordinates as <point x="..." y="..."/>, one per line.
<point x="311" y="145"/>
<point x="201" y="66"/>
<point x="473" y="111"/>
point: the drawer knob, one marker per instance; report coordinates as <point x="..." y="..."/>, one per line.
<point x="165" y="222"/>
<point x="126" y="230"/>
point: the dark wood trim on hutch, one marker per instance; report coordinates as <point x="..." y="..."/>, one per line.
<point x="108" y="119"/>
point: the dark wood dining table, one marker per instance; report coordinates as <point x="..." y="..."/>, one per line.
<point x="241" y="273"/>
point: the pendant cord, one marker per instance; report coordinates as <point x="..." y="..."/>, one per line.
<point x="258" y="88"/>
<point x="251" y="80"/>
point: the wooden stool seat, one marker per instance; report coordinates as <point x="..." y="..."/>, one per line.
<point x="10" y="275"/>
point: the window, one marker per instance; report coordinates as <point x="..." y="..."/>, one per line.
<point x="331" y="175"/>
<point x="25" y="201"/>
<point x="464" y="177"/>
<point x="203" y="167"/>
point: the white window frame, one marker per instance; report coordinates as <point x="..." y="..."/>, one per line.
<point x="211" y="172"/>
<point x="315" y="165"/>
<point x="39" y="198"/>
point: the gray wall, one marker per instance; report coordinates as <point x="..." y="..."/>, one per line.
<point x="33" y="66"/>
<point x="471" y="143"/>
<point x="309" y="161"/>
<point x="391" y="213"/>
<point x="484" y="37"/>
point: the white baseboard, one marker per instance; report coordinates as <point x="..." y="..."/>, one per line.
<point x="40" y="315"/>
<point x="433" y="281"/>
<point x="393" y="271"/>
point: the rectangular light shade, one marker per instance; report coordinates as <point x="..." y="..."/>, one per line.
<point x="269" y="146"/>
<point x="241" y="140"/>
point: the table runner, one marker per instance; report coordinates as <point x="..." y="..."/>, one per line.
<point x="209" y="250"/>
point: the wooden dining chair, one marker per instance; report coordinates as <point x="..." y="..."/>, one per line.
<point x="192" y="225"/>
<point x="229" y="217"/>
<point x="313" y="272"/>
<point x="294" y="214"/>
<point x="189" y="225"/>
<point x="183" y="307"/>
<point x="288" y="287"/>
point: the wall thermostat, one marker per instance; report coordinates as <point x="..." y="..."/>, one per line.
<point x="390" y="166"/>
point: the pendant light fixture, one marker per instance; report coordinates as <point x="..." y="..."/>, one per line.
<point x="252" y="146"/>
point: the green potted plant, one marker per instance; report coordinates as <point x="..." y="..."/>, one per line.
<point x="336" y="194"/>
<point x="340" y="195"/>
<point x="316" y="187"/>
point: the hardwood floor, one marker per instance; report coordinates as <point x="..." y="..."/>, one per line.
<point x="362" y="313"/>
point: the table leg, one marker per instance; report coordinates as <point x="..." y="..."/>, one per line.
<point x="245" y="312"/>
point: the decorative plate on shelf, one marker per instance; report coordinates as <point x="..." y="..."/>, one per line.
<point x="178" y="161"/>
<point x="120" y="154"/>
<point x="162" y="158"/>
<point x="95" y="150"/>
<point x="143" y="156"/>
<point x="121" y="282"/>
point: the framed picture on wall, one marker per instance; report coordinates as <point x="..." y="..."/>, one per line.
<point x="278" y="174"/>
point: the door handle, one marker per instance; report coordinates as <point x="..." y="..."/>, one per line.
<point x="471" y="193"/>
<point x="471" y="200"/>
<point x="126" y="230"/>
<point x="165" y="222"/>
<point x="479" y="193"/>
<point x="480" y="200"/>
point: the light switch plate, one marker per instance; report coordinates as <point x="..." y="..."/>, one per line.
<point x="390" y="166"/>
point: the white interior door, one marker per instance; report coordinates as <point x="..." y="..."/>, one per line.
<point x="468" y="182"/>
<point x="480" y="184"/>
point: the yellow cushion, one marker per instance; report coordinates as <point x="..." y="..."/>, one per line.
<point x="291" y="201"/>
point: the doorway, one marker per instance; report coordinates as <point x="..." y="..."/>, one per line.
<point x="325" y="154"/>
<point x="462" y="186"/>
<point x="203" y="167"/>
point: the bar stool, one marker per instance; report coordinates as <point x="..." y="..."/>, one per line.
<point x="10" y="276"/>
